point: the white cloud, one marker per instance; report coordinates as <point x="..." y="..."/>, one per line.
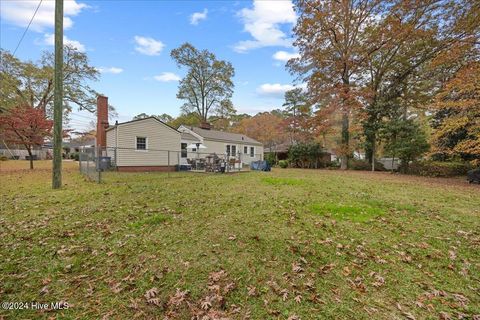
<point x="263" y="23"/>
<point x="112" y="70"/>
<point x="148" y="46"/>
<point x="167" y="77"/>
<point x="277" y="90"/>
<point x="49" y="39"/>
<point x="19" y="13"/>
<point x="196" y="17"/>
<point x="285" y="56"/>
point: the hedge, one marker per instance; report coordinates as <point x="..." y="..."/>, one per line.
<point x="438" y="168"/>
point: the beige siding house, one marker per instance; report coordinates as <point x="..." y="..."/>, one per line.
<point x="144" y="144"/>
<point x="150" y="145"/>
<point x="223" y="143"/>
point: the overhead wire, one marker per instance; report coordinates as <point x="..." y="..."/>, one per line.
<point x="26" y="29"/>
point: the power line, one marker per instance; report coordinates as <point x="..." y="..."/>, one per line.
<point x="25" y="32"/>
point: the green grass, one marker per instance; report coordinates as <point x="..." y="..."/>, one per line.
<point x="347" y="212"/>
<point x="275" y="181"/>
<point x="317" y="244"/>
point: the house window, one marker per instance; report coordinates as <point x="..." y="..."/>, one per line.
<point x="194" y="149"/>
<point x="245" y="150"/>
<point x="231" y="149"/>
<point x="252" y="151"/>
<point x="184" y="150"/>
<point x="141" y="143"/>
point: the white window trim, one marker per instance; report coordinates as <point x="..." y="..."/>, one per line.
<point x="146" y="144"/>
<point x="231" y="145"/>
<point x="250" y="153"/>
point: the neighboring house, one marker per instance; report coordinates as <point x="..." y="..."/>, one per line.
<point x="221" y="143"/>
<point x="143" y="145"/>
<point x="280" y="151"/>
<point x="78" y="145"/>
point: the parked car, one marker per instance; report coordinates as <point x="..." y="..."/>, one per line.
<point x="474" y="176"/>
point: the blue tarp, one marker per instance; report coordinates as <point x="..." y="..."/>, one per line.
<point x="260" y="166"/>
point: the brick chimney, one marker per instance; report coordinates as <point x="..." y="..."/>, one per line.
<point x="102" y="121"/>
<point x="205" y="125"/>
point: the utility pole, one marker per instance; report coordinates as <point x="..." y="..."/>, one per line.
<point x="58" y="97"/>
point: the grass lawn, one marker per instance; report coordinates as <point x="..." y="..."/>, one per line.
<point x="290" y="244"/>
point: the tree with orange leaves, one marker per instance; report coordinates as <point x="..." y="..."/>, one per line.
<point x="264" y="127"/>
<point x="333" y="41"/>
<point x="456" y="121"/>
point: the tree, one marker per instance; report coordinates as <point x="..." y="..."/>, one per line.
<point x="223" y="115"/>
<point x="189" y="119"/>
<point x="31" y="84"/>
<point x="264" y="127"/>
<point x="405" y="140"/>
<point x="298" y="111"/>
<point x="164" y="117"/>
<point x="457" y="112"/>
<point x="208" y="81"/>
<point x="25" y="126"/>
<point x="332" y="38"/>
<point x="419" y="46"/>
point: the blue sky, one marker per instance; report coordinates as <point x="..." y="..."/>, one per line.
<point x="130" y="42"/>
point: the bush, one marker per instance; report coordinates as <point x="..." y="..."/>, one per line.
<point x="333" y="164"/>
<point x="356" y="164"/>
<point x="270" y="158"/>
<point x="283" y="163"/>
<point x="75" y="156"/>
<point x="307" y="155"/>
<point x="3" y="158"/>
<point x="439" y="169"/>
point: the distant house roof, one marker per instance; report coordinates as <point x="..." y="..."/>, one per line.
<point x="224" y="136"/>
<point x="76" y="144"/>
<point x="282" y="147"/>
<point x="188" y="136"/>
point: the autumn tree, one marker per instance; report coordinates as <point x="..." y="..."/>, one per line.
<point x="264" y="127"/>
<point x="25" y="126"/>
<point x="208" y="81"/>
<point x="332" y="39"/>
<point x="456" y="121"/>
<point x="419" y="44"/>
<point x="31" y="83"/>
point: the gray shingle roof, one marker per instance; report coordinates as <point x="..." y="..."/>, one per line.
<point x="224" y="136"/>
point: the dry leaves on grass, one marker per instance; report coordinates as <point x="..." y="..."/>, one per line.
<point x="211" y="306"/>
<point x="151" y="296"/>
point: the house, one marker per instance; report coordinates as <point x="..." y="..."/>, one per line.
<point x="234" y="145"/>
<point x="144" y="145"/>
<point x="151" y="145"/>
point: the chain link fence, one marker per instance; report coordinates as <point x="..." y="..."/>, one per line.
<point x="94" y="161"/>
<point x="88" y="164"/>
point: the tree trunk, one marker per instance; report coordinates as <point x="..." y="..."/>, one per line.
<point x="345" y="141"/>
<point x="373" y="154"/>
<point x="29" y="150"/>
